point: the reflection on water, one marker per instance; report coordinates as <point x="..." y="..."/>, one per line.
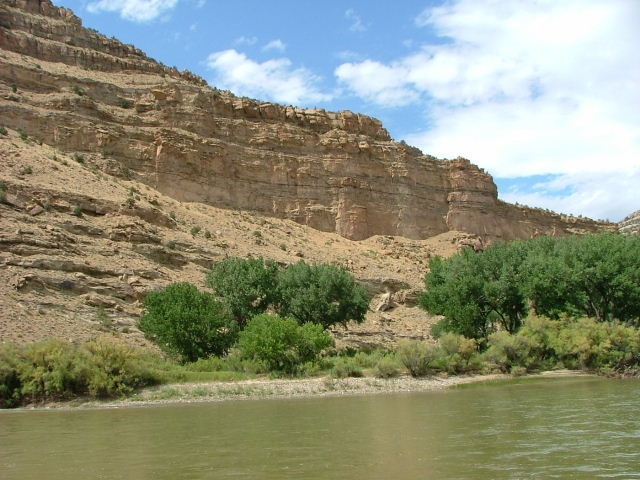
<point x="552" y="428"/>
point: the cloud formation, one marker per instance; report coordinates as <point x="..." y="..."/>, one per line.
<point x="523" y="88"/>
<point x="134" y="10"/>
<point x="274" y="79"/>
<point x="278" y="45"/>
<point x="356" y="22"/>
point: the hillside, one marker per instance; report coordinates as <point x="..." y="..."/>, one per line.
<point x="115" y="166"/>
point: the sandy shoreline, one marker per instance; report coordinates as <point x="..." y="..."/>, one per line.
<point x="286" y="388"/>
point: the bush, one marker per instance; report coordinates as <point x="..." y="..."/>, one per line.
<point x="458" y="353"/>
<point x="507" y="351"/>
<point x="51" y="370"/>
<point x="187" y="322"/>
<point x="280" y="343"/>
<point x="387" y="367"/>
<point x="592" y="345"/>
<point x="57" y="369"/>
<point x="10" y="382"/>
<point x="114" y="369"/>
<point x="344" y="367"/>
<point x="418" y="357"/>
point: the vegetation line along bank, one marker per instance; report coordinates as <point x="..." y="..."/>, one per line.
<point x="518" y="307"/>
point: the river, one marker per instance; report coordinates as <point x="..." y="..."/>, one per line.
<point x="582" y="427"/>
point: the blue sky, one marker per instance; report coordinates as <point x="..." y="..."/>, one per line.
<point x="543" y="94"/>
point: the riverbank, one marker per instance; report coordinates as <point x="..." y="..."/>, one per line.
<point x="289" y="388"/>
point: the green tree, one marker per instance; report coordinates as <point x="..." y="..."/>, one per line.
<point x="549" y="283"/>
<point x="246" y="286"/>
<point x="188" y="322"/>
<point x="607" y="272"/>
<point x="455" y="290"/>
<point x="322" y="293"/>
<point x="595" y="275"/>
<point x="281" y="343"/>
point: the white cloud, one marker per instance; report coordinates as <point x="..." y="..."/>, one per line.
<point x="356" y="22"/>
<point x="278" y="45"/>
<point x="246" y="40"/>
<point x="610" y="195"/>
<point x="274" y="79"/>
<point x="378" y="83"/>
<point x="524" y="88"/>
<point x="134" y="10"/>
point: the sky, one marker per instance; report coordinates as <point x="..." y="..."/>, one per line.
<point x="542" y="94"/>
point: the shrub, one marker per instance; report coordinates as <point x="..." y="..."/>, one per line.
<point x="195" y="230"/>
<point x="3" y="131"/>
<point x="10" y="382"/>
<point x="3" y="192"/>
<point x="507" y="351"/>
<point x="23" y="135"/>
<point x="207" y="234"/>
<point x="78" y="157"/>
<point x="77" y="211"/>
<point x="50" y="370"/>
<point x="458" y="352"/>
<point x="387" y="367"/>
<point x="77" y="90"/>
<point x="187" y="322"/>
<point x="57" y="369"/>
<point x="418" y="357"/>
<point x="280" y="343"/>
<point x="115" y="369"/>
<point x="344" y="367"/>
<point x="592" y="345"/>
<point x="171" y="244"/>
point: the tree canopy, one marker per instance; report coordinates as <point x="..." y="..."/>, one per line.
<point x="322" y="293"/>
<point x="188" y="322"/>
<point x="246" y="286"/>
<point x="595" y="275"/>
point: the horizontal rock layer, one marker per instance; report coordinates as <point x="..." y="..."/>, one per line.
<point x="76" y="90"/>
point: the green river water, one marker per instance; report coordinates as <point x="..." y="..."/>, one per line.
<point x="581" y="427"/>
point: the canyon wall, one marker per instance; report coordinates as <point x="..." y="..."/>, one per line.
<point x="78" y="91"/>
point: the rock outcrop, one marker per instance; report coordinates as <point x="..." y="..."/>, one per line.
<point x="630" y="225"/>
<point x="78" y="91"/>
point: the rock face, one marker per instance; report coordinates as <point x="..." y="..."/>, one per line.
<point x="78" y="91"/>
<point x="630" y="225"/>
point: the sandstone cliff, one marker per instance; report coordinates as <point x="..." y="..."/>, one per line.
<point x="119" y="175"/>
<point x="630" y="225"/>
<point x="336" y="172"/>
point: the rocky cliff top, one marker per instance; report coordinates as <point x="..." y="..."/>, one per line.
<point x="630" y="225"/>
